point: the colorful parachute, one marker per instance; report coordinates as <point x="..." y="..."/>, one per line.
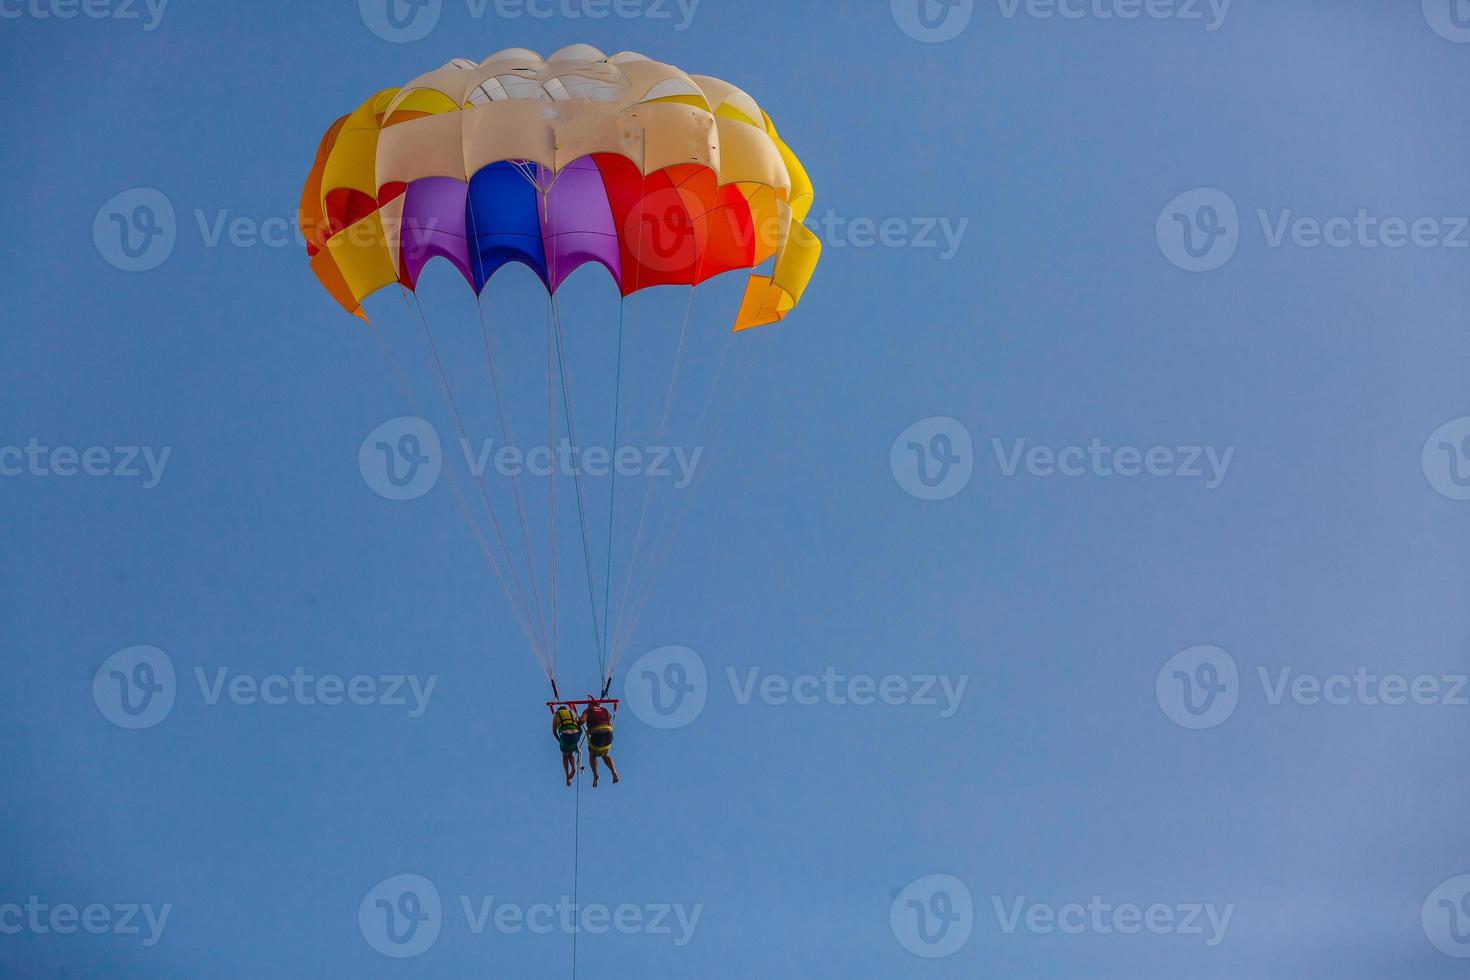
<point x="659" y="176"/>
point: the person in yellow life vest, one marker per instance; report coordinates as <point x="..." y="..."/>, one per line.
<point x="599" y="724"/>
<point x="568" y="732"/>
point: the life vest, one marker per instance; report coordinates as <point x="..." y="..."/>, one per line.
<point x="598" y="719"/>
<point x="566" y="722"/>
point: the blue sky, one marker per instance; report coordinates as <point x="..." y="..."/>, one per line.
<point x="1302" y="519"/>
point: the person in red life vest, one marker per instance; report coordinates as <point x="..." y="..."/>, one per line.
<point x="598" y="723"/>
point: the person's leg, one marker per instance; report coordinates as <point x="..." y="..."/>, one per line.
<point x="569" y="766"/>
<point x="595" y="774"/>
<point x="610" y="767"/>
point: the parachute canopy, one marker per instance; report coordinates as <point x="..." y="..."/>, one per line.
<point x="658" y="176"/>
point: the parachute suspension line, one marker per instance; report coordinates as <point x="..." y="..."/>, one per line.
<point x="612" y="500"/>
<point x="480" y="478"/>
<point x="722" y="417"/>
<point x="523" y="168"/>
<point x="610" y="658"/>
<point x="515" y="481"/>
<point x="680" y="506"/>
<point x="566" y="393"/>
<point x="551" y="475"/>
<point x="407" y="392"/>
<point x="648" y="487"/>
<point x="657" y="551"/>
<point x="545" y="217"/>
<point x="549" y="220"/>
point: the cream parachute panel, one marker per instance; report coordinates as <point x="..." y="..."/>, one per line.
<point x="549" y="117"/>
